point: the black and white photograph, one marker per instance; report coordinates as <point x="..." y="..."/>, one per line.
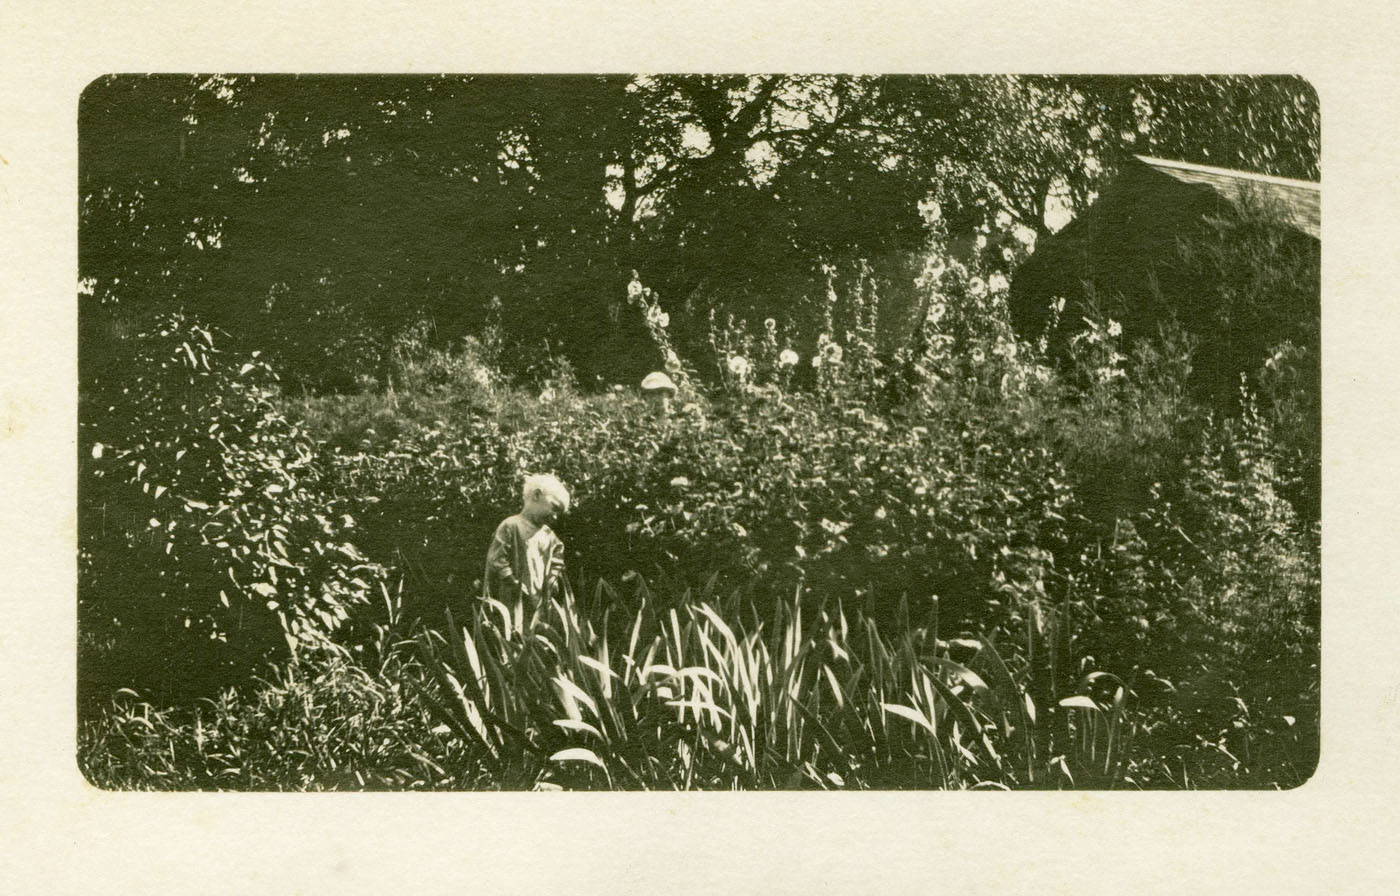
<point x="677" y="447"/>
<point x="719" y="432"/>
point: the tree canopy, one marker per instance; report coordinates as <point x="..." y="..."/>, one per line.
<point x="319" y="217"/>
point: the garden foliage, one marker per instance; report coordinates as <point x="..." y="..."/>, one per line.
<point x="947" y="560"/>
<point x="208" y="536"/>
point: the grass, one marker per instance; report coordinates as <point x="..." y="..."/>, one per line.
<point x="676" y="691"/>
<point x="333" y="728"/>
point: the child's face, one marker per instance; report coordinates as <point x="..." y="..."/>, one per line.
<point x="541" y="508"/>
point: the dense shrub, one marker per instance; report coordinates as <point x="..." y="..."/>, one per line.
<point x="790" y="487"/>
<point x="1247" y="578"/>
<point x="207" y="538"/>
<point x="1204" y="591"/>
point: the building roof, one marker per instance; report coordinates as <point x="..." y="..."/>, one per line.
<point x="1301" y="200"/>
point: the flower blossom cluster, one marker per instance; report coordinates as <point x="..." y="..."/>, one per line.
<point x="828" y="352"/>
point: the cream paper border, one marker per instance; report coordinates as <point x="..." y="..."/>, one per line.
<point x="59" y="835"/>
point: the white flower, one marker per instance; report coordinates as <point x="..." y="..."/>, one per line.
<point x="881" y="513"/>
<point x="787" y="358"/>
<point x="998" y="283"/>
<point x="663" y="320"/>
<point x="976" y="287"/>
<point x="770" y="325"/>
<point x="634" y="288"/>
<point x="833" y="352"/>
<point x="977" y="356"/>
<point x="1004" y="349"/>
<point x="673" y="361"/>
<point x="1115" y="328"/>
<point x="1057" y="306"/>
<point x="739" y="366"/>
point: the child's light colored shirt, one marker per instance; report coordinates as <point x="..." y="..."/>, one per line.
<point x="524" y="559"/>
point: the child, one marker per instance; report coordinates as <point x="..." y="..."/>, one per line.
<point x="526" y="559"/>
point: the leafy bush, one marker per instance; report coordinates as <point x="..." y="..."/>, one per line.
<point x="791" y="487"/>
<point x="1206" y="601"/>
<point x="1249" y="666"/>
<point x="1263" y="284"/>
<point x="207" y="536"/>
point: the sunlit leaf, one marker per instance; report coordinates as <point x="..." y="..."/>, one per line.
<point x="578" y="754"/>
<point x="576" y="725"/>
<point x="913" y="715"/>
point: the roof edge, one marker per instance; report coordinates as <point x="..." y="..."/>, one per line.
<point x="1155" y="162"/>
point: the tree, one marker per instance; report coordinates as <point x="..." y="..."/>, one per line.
<point x="320" y="217"/>
<point x="1264" y="123"/>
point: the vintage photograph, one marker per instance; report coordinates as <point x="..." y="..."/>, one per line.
<point x="698" y="432"/>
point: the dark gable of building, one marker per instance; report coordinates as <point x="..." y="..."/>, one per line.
<point x="1297" y="202"/>
<point x="1123" y="253"/>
